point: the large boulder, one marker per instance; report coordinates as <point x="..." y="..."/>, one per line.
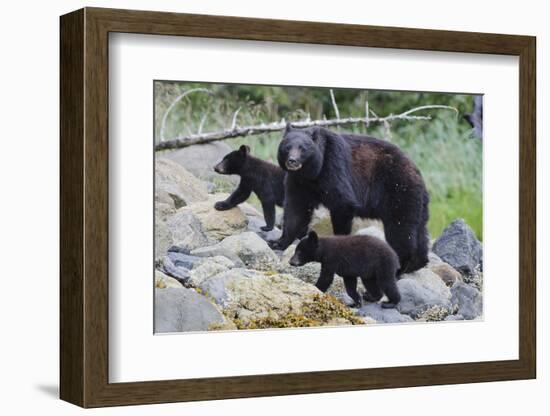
<point x="163" y="281"/>
<point x="182" y="310"/>
<point x="445" y="271"/>
<point x="175" y="187"/>
<point x="185" y="231"/>
<point x="467" y="300"/>
<point x="421" y="291"/>
<point x="255" y="225"/>
<point x="261" y="300"/>
<point x="200" y="160"/>
<point x="382" y="315"/>
<point x="217" y="224"/>
<point x="246" y="248"/>
<point x="459" y="247"/>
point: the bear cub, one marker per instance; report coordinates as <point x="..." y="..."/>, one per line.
<point x="369" y="258"/>
<point x="263" y="178"/>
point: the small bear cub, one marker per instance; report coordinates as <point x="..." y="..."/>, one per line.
<point x="265" y="179"/>
<point x="369" y="258"/>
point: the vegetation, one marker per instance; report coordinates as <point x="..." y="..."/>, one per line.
<point x="321" y="310"/>
<point x="444" y="148"/>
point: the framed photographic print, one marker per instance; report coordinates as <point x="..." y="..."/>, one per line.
<point x="262" y="207"/>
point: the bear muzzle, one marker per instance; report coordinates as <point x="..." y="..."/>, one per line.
<point x="220" y="168"/>
<point x="295" y="261"/>
<point x="293" y="164"/>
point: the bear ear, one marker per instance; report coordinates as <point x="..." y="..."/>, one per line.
<point x="312" y="236"/>
<point x="244" y="149"/>
<point x="316" y="133"/>
<point x="288" y="127"/>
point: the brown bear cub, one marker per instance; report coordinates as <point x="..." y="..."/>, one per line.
<point x="263" y="178"/>
<point x="369" y="258"/>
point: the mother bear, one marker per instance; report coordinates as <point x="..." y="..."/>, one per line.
<point x="354" y="176"/>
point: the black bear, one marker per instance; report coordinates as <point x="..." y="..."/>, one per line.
<point x="263" y="178"/>
<point x="369" y="258"/>
<point x="354" y="175"/>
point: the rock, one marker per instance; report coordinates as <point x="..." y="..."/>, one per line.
<point x="381" y="315"/>
<point x="163" y="237"/>
<point x="175" y="187"/>
<point x="446" y="273"/>
<point x="271" y="300"/>
<point x="247" y="248"/>
<point x="178" y="264"/>
<point x="221" y="260"/>
<point x="420" y="291"/>
<point x="185" y="231"/>
<point x="182" y="310"/>
<point x="454" y="318"/>
<point x="373" y="231"/>
<point x="163" y="281"/>
<point x="249" y="294"/>
<point x="204" y="271"/>
<point x="468" y="300"/>
<point x="459" y="247"/>
<point x="178" y="272"/>
<point x="255" y="224"/>
<point x="200" y="160"/>
<point x="180" y="259"/>
<point x="217" y="224"/>
<point x="248" y="209"/>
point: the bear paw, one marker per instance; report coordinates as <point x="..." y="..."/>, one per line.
<point x="222" y="206"/>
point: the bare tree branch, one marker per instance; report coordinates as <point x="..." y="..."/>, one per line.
<point x="235" y="131"/>
<point x="171" y="106"/>
<point x="336" y="111"/>
<point x="234" y="121"/>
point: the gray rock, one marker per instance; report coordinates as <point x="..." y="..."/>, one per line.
<point x="182" y="310"/>
<point x="178" y="272"/>
<point x="163" y="281"/>
<point x="175" y="186"/>
<point x="247" y="248"/>
<point x="422" y="290"/>
<point x="185" y="231"/>
<point x="182" y="259"/>
<point x="459" y="247"/>
<point x="255" y="224"/>
<point x="218" y="224"/>
<point x="205" y="270"/>
<point x="468" y="300"/>
<point x="454" y="318"/>
<point x="381" y="315"/>
<point x="249" y="294"/>
<point x="200" y="160"/>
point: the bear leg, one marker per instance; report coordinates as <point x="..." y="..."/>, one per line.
<point x="269" y="215"/>
<point x="351" y="288"/>
<point x="387" y="283"/>
<point x="402" y="238"/>
<point x="325" y="279"/>
<point x="341" y="221"/>
<point x="373" y="293"/>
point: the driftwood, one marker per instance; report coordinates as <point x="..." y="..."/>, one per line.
<point x="238" y="131"/>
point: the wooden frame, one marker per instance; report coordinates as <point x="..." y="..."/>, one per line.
<point x="84" y="207"/>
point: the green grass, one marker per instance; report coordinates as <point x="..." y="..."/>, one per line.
<point x="443" y="148"/>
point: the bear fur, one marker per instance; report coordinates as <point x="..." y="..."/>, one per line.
<point x="354" y="176"/>
<point x="369" y="258"/>
<point x="265" y="179"/>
